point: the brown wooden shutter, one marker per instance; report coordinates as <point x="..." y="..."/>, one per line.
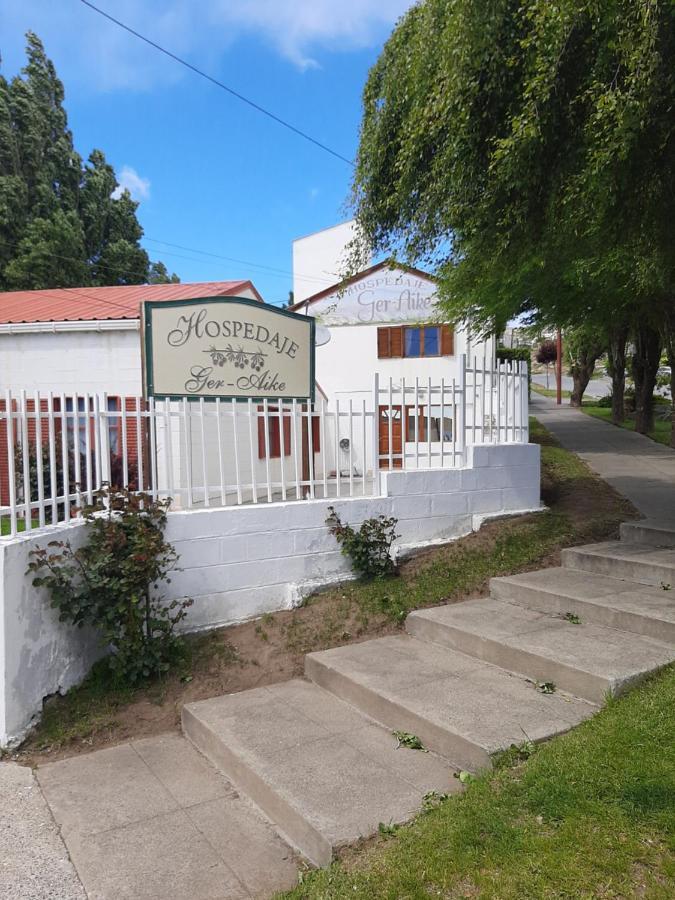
<point x="261" y="435"/>
<point x="316" y="433"/>
<point x="383" y="345"/>
<point x="286" y="425"/>
<point x="396" y="341"/>
<point x="447" y="340"/>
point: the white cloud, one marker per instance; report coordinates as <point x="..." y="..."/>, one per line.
<point x="298" y="28"/>
<point x="131" y="181"/>
<point x="94" y="54"/>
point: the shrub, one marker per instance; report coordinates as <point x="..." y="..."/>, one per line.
<point x="522" y="353"/>
<point x="369" y="548"/>
<point x="112" y="582"/>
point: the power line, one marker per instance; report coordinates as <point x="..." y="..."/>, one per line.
<point x="274" y="270"/>
<point x="128" y="272"/>
<point x="220" y="84"/>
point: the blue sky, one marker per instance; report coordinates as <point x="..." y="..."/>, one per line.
<point x="210" y="172"/>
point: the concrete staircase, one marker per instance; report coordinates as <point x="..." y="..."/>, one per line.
<point x="318" y="755"/>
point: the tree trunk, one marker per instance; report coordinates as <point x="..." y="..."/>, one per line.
<point x="645" y="367"/>
<point x="581" y="372"/>
<point x="617" y="369"/>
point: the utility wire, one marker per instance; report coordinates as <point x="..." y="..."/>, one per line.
<point x="274" y="270"/>
<point x="118" y="270"/>
<point x="220" y="84"/>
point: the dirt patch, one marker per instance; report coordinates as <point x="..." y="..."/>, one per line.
<point x="272" y="648"/>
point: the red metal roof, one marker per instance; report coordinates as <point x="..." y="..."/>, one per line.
<point x="116" y="302"/>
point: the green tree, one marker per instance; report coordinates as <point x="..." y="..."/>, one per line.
<point x="49" y="255"/>
<point x="584" y="345"/>
<point x="526" y="150"/>
<point x="160" y="275"/>
<point x="62" y="223"/>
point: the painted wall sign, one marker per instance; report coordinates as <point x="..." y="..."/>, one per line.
<point x="227" y="347"/>
<point x="388" y="296"/>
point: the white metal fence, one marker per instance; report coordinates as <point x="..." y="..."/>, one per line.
<point x="57" y="450"/>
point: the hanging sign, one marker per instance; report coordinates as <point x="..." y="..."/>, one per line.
<point x="227" y="347"/>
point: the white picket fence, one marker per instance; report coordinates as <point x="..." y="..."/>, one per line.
<point x="57" y="450"/>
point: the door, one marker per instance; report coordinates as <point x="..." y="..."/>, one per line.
<point x="397" y="433"/>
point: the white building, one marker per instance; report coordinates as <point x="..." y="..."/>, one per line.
<point x="382" y="326"/>
<point x="72" y="340"/>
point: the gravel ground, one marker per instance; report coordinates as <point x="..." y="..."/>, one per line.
<point x="34" y="863"/>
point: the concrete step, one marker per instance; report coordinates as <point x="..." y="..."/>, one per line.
<point x="620" y="559"/>
<point x="323" y="773"/>
<point x="596" y="599"/>
<point x="587" y="660"/>
<point x="656" y="533"/>
<point x="460" y="707"/>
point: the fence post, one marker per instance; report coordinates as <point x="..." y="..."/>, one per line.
<point x="104" y="431"/>
<point x="25" y="456"/>
<point x="461" y="428"/>
<point x="10" y="463"/>
<point x="376" y="435"/>
<point x="524" y="384"/>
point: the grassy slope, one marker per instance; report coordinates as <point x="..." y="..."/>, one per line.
<point x="590" y="814"/>
<point x="661" y="432"/>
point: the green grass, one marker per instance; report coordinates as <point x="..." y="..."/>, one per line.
<point x="462" y="567"/>
<point x="548" y="392"/>
<point x="590" y="814"/>
<point x="6" y="525"/>
<point x="660" y="433"/>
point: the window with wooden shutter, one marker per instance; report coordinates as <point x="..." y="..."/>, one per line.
<point x="396" y="341"/>
<point x="390" y="341"/>
<point x="383" y="343"/>
<point x="447" y="340"/>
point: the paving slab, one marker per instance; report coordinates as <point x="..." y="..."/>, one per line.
<point x="587" y="660"/>
<point x="323" y="773"/>
<point x="596" y="599"/>
<point x="34" y="862"/>
<point x="153" y="819"/>
<point x="462" y="708"/>
<point x="637" y="467"/>
<point x="636" y="562"/>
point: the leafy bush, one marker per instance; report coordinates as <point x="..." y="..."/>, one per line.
<point x="369" y="548"/>
<point x="112" y="581"/>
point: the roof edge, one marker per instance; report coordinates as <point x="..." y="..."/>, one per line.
<point x="386" y="263"/>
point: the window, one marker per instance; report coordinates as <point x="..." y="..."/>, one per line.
<point x="422" y="340"/>
<point x="85" y="419"/>
<point x="415" y="341"/>
<point x="274" y="430"/>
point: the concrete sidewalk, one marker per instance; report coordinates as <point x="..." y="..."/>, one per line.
<point x="639" y="468"/>
<point x="34" y="863"/>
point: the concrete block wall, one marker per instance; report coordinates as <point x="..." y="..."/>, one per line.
<point x="240" y="562"/>
<point x="39" y="655"/>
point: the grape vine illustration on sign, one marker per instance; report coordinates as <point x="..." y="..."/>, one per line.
<point x="240" y="357"/>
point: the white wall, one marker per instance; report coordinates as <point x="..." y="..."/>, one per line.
<point x="238" y="563"/>
<point x="39" y="655"/>
<point x="72" y="361"/>
<point x="319" y="259"/>
<point x="347" y="364"/>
